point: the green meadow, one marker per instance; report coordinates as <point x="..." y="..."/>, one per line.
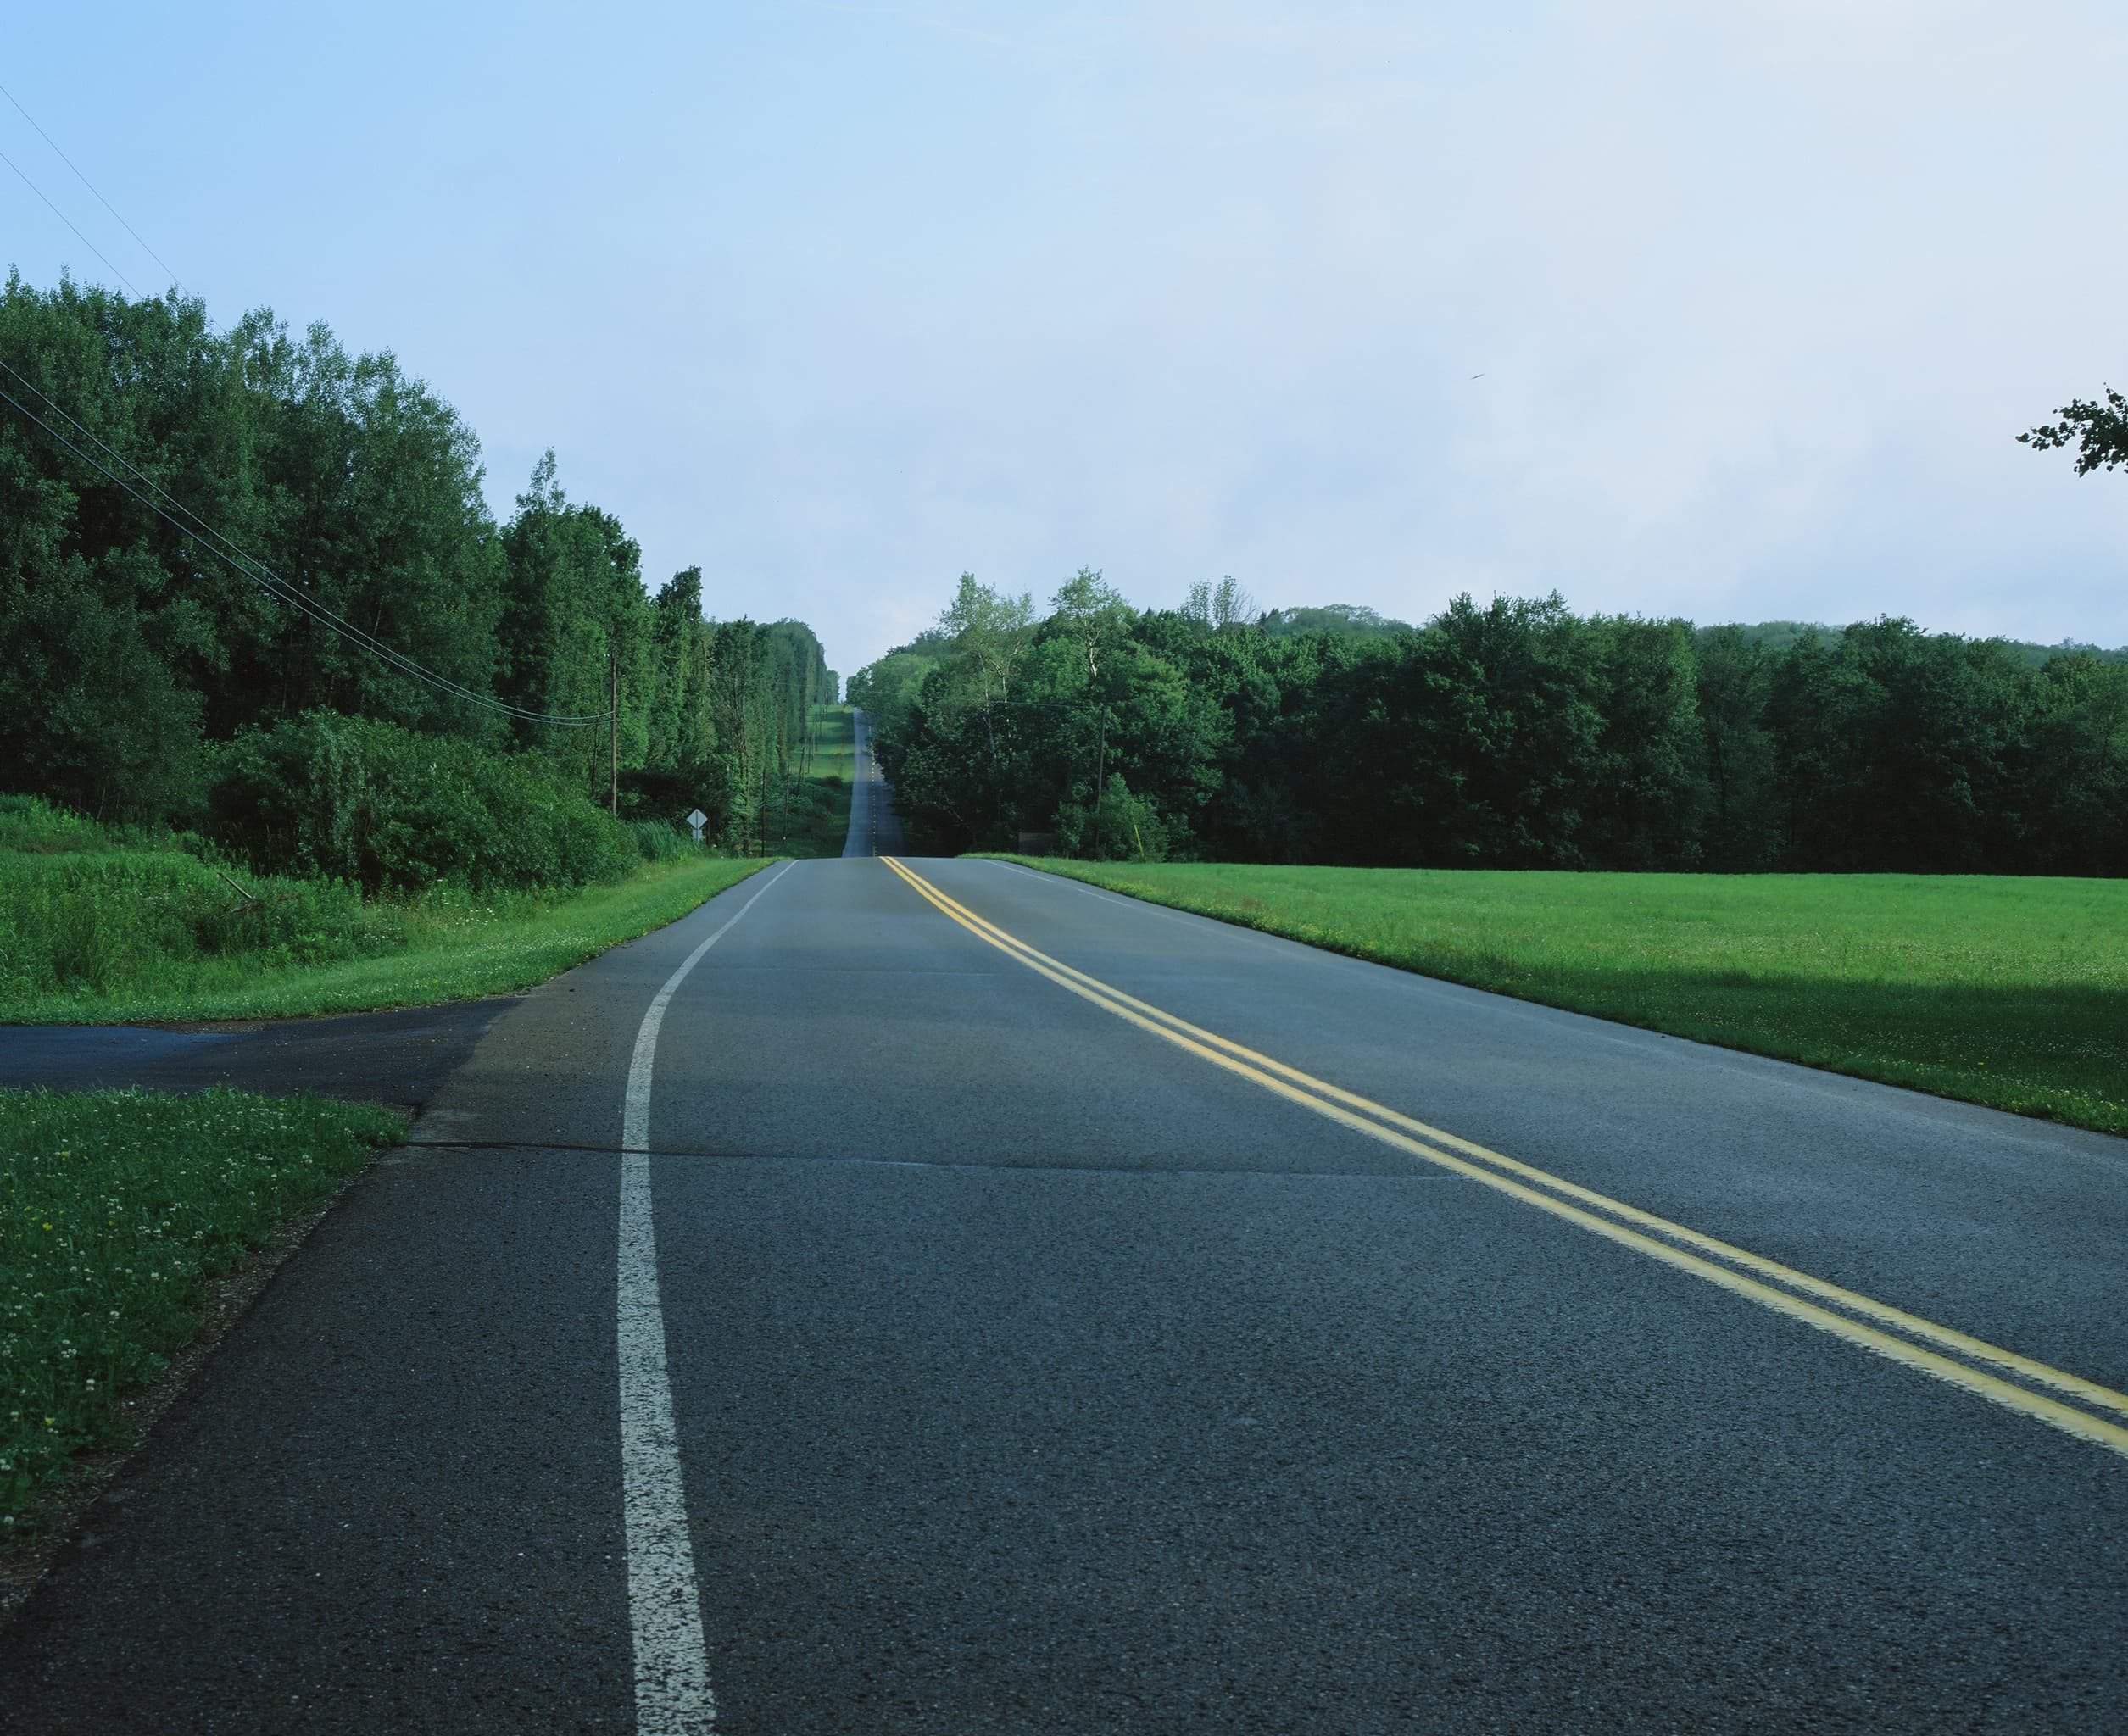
<point x="2003" y="991"/>
<point x="833" y="755"/>
<point x="814" y="818"/>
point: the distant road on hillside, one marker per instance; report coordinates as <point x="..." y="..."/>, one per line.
<point x="874" y="830"/>
<point x="935" y="1296"/>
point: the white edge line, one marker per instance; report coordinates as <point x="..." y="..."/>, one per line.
<point x="673" y="1695"/>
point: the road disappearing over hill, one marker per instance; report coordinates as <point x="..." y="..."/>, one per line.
<point x="1074" y="1315"/>
<point x="874" y="828"/>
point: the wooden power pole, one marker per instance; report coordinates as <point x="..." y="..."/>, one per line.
<point x="613" y="738"/>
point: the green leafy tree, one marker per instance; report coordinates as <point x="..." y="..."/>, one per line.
<point x="2099" y="431"/>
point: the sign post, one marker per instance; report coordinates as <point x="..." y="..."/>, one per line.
<point x="697" y="819"/>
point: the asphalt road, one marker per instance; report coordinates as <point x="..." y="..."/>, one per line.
<point x="1031" y="1370"/>
<point x="874" y="829"/>
<point x="397" y="1058"/>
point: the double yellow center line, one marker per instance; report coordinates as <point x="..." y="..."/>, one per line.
<point x="2099" y="1415"/>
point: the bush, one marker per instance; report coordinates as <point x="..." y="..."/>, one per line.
<point x="1129" y="828"/>
<point x="365" y="801"/>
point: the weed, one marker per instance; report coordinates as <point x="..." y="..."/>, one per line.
<point x="115" y="1207"/>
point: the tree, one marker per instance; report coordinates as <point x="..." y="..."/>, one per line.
<point x="2099" y="432"/>
<point x="1226" y="604"/>
<point x="1742" y="831"/>
<point x="1091" y="616"/>
<point x="988" y="631"/>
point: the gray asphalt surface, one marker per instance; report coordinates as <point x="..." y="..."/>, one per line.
<point x="874" y="829"/>
<point x="397" y="1058"/>
<point x="1033" y="1375"/>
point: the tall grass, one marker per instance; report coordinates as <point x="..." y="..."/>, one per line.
<point x="110" y="928"/>
<point x="102" y="922"/>
<point x="2007" y="992"/>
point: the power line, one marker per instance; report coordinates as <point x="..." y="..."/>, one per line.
<point x="279" y="588"/>
<point x="89" y="184"/>
<point x="69" y="221"/>
<point x="219" y="546"/>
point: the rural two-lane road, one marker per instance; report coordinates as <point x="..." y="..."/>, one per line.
<point x="1035" y="1361"/>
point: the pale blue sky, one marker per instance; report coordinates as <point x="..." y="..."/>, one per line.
<point x="839" y="300"/>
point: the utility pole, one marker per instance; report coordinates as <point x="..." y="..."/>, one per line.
<point x="1100" y="783"/>
<point x="613" y="738"/>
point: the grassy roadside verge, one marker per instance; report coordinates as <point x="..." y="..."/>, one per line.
<point x="813" y="818"/>
<point x="117" y="1210"/>
<point x="445" y="945"/>
<point x="2011" y="993"/>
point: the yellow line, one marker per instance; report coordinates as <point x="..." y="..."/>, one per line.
<point x="2089" y="1392"/>
<point x="1346" y="1110"/>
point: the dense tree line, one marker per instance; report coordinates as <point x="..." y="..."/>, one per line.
<point x="1512" y="734"/>
<point x="135" y="655"/>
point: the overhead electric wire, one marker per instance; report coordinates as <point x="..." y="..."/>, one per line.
<point x="279" y="589"/>
<point x="90" y="186"/>
<point x="66" y="220"/>
<point x="227" y="550"/>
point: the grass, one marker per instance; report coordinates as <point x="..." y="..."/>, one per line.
<point x="117" y="1210"/>
<point x="834" y="756"/>
<point x="816" y="821"/>
<point x="2007" y="992"/>
<point x="126" y="935"/>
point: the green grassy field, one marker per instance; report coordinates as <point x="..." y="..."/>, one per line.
<point x="835" y="753"/>
<point x="816" y="821"/>
<point x="116" y="1209"/>
<point x="119" y="936"/>
<point x="2012" y="993"/>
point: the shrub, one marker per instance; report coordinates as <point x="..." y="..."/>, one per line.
<point x="365" y="801"/>
<point x="1129" y="828"/>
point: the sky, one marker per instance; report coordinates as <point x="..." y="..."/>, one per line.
<point x="1731" y="312"/>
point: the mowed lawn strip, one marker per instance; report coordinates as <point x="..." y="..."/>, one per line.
<point x="2007" y="992"/>
<point x="117" y="1208"/>
<point x="834" y="754"/>
<point x="447" y="944"/>
<point x="812" y="819"/>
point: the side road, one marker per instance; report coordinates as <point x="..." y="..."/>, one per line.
<point x="397" y="1058"/>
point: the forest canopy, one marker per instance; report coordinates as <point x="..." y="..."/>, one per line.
<point x="141" y="663"/>
<point x="1513" y="733"/>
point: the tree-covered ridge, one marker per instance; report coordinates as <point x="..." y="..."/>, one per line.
<point x="135" y="652"/>
<point x="1779" y="635"/>
<point x="1512" y="734"/>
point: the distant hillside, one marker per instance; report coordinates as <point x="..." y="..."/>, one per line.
<point x="1779" y="635"/>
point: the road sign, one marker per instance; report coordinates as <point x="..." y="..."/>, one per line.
<point x="698" y="819"/>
